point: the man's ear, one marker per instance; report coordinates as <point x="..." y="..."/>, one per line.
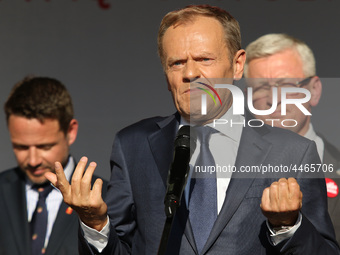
<point x="238" y="64"/>
<point x="72" y="131"/>
<point x="316" y="90"/>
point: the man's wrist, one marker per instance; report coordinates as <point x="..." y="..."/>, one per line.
<point x="278" y="234"/>
<point x="281" y="229"/>
<point x="96" y="224"/>
<point x="98" y="239"/>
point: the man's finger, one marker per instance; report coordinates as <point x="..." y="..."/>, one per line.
<point x="274" y="196"/>
<point x="295" y="193"/>
<point x="61" y="183"/>
<point x="97" y="188"/>
<point x="77" y="176"/>
<point x="52" y="177"/>
<point x="265" y="201"/>
<point x="283" y="201"/>
<point x="294" y="187"/>
<point x="85" y="185"/>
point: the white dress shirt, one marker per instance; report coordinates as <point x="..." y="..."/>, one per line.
<point x="223" y="146"/>
<point x="53" y="200"/>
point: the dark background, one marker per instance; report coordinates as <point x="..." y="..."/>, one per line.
<point x="107" y="58"/>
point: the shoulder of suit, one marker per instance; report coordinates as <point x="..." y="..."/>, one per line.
<point x="273" y="134"/>
<point x="145" y="126"/>
<point x="11" y="175"/>
<point x="331" y="155"/>
<point x="330" y="148"/>
<point x="282" y="135"/>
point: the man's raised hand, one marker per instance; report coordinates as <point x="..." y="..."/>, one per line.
<point x="281" y="202"/>
<point x="87" y="202"/>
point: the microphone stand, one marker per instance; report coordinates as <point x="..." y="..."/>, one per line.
<point x="171" y="206"/>
<point x="185" y="144"/>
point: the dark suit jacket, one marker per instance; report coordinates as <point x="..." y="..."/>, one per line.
<point x="14" y="227"/>
<point x="140" y="161"/>
<point x="332" y="156"/>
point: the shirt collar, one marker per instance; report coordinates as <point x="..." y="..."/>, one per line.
<point x="310" y="134"/>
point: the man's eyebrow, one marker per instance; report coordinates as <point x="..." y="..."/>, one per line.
<point x="206" y="53"/>
<point x="280" y="80"/>
<point x="271" y="80"/>
<point x="174" y="59"/>
<point x="36" y="145"/>
<point x="19" y="144"/>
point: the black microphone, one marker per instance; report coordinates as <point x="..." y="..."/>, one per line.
<point x="185" y="145"/>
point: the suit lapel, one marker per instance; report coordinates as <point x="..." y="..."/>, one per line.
<point x="253" y="150"/>
<point x="62" y="226"/>
<point x="17" y="208"/>
<point x="162" y="144"/>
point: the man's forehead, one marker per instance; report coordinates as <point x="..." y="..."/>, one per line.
<point x="199" y="20"/>
<point x="18" y="122"/>
<point x="199" y="33"/>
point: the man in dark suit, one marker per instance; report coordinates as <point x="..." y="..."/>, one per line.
<point x="40" y="121"/>
<point x="285" y="59"/>
<point x="194" y="43"/>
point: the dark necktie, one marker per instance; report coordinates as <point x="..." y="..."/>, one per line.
<point x="39" y="219"/>
<point x="203" y="192"/>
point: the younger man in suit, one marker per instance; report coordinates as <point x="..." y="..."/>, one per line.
<point x="40" y="121"/>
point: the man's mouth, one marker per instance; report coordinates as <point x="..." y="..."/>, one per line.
<point x="37" y="171"/>
<point x="192" y="90"/>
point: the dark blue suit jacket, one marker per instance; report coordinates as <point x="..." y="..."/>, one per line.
<point x="140" y="160"/>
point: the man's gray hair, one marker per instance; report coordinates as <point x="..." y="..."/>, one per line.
<point x="271" y="44"/>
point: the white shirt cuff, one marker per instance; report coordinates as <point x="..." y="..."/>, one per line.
<point x="283" y="233"/>
<point x="98" y="239"/>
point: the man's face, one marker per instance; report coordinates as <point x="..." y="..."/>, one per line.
<point x="285" y="66"/>
<point x="37" y="146"/>
<point x="195" y="50"/>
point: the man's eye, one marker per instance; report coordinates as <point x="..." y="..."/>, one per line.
<point x="45" y="147"/>
<point x="261" y="88"/>
<point x="20" y="147"/>
<point x="205" y="60"/>
<point x="177" y="63"/>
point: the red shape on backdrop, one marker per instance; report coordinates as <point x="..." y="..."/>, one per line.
<point x="332" y="188"/>
<point x="103" y="5"/>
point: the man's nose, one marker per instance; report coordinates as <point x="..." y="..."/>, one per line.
<point x="272" y="93"/>
<point x="191" y="71"/>
<point x="34" y="158"/>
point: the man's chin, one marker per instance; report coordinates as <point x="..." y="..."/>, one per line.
<point x="38" y="180"/>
